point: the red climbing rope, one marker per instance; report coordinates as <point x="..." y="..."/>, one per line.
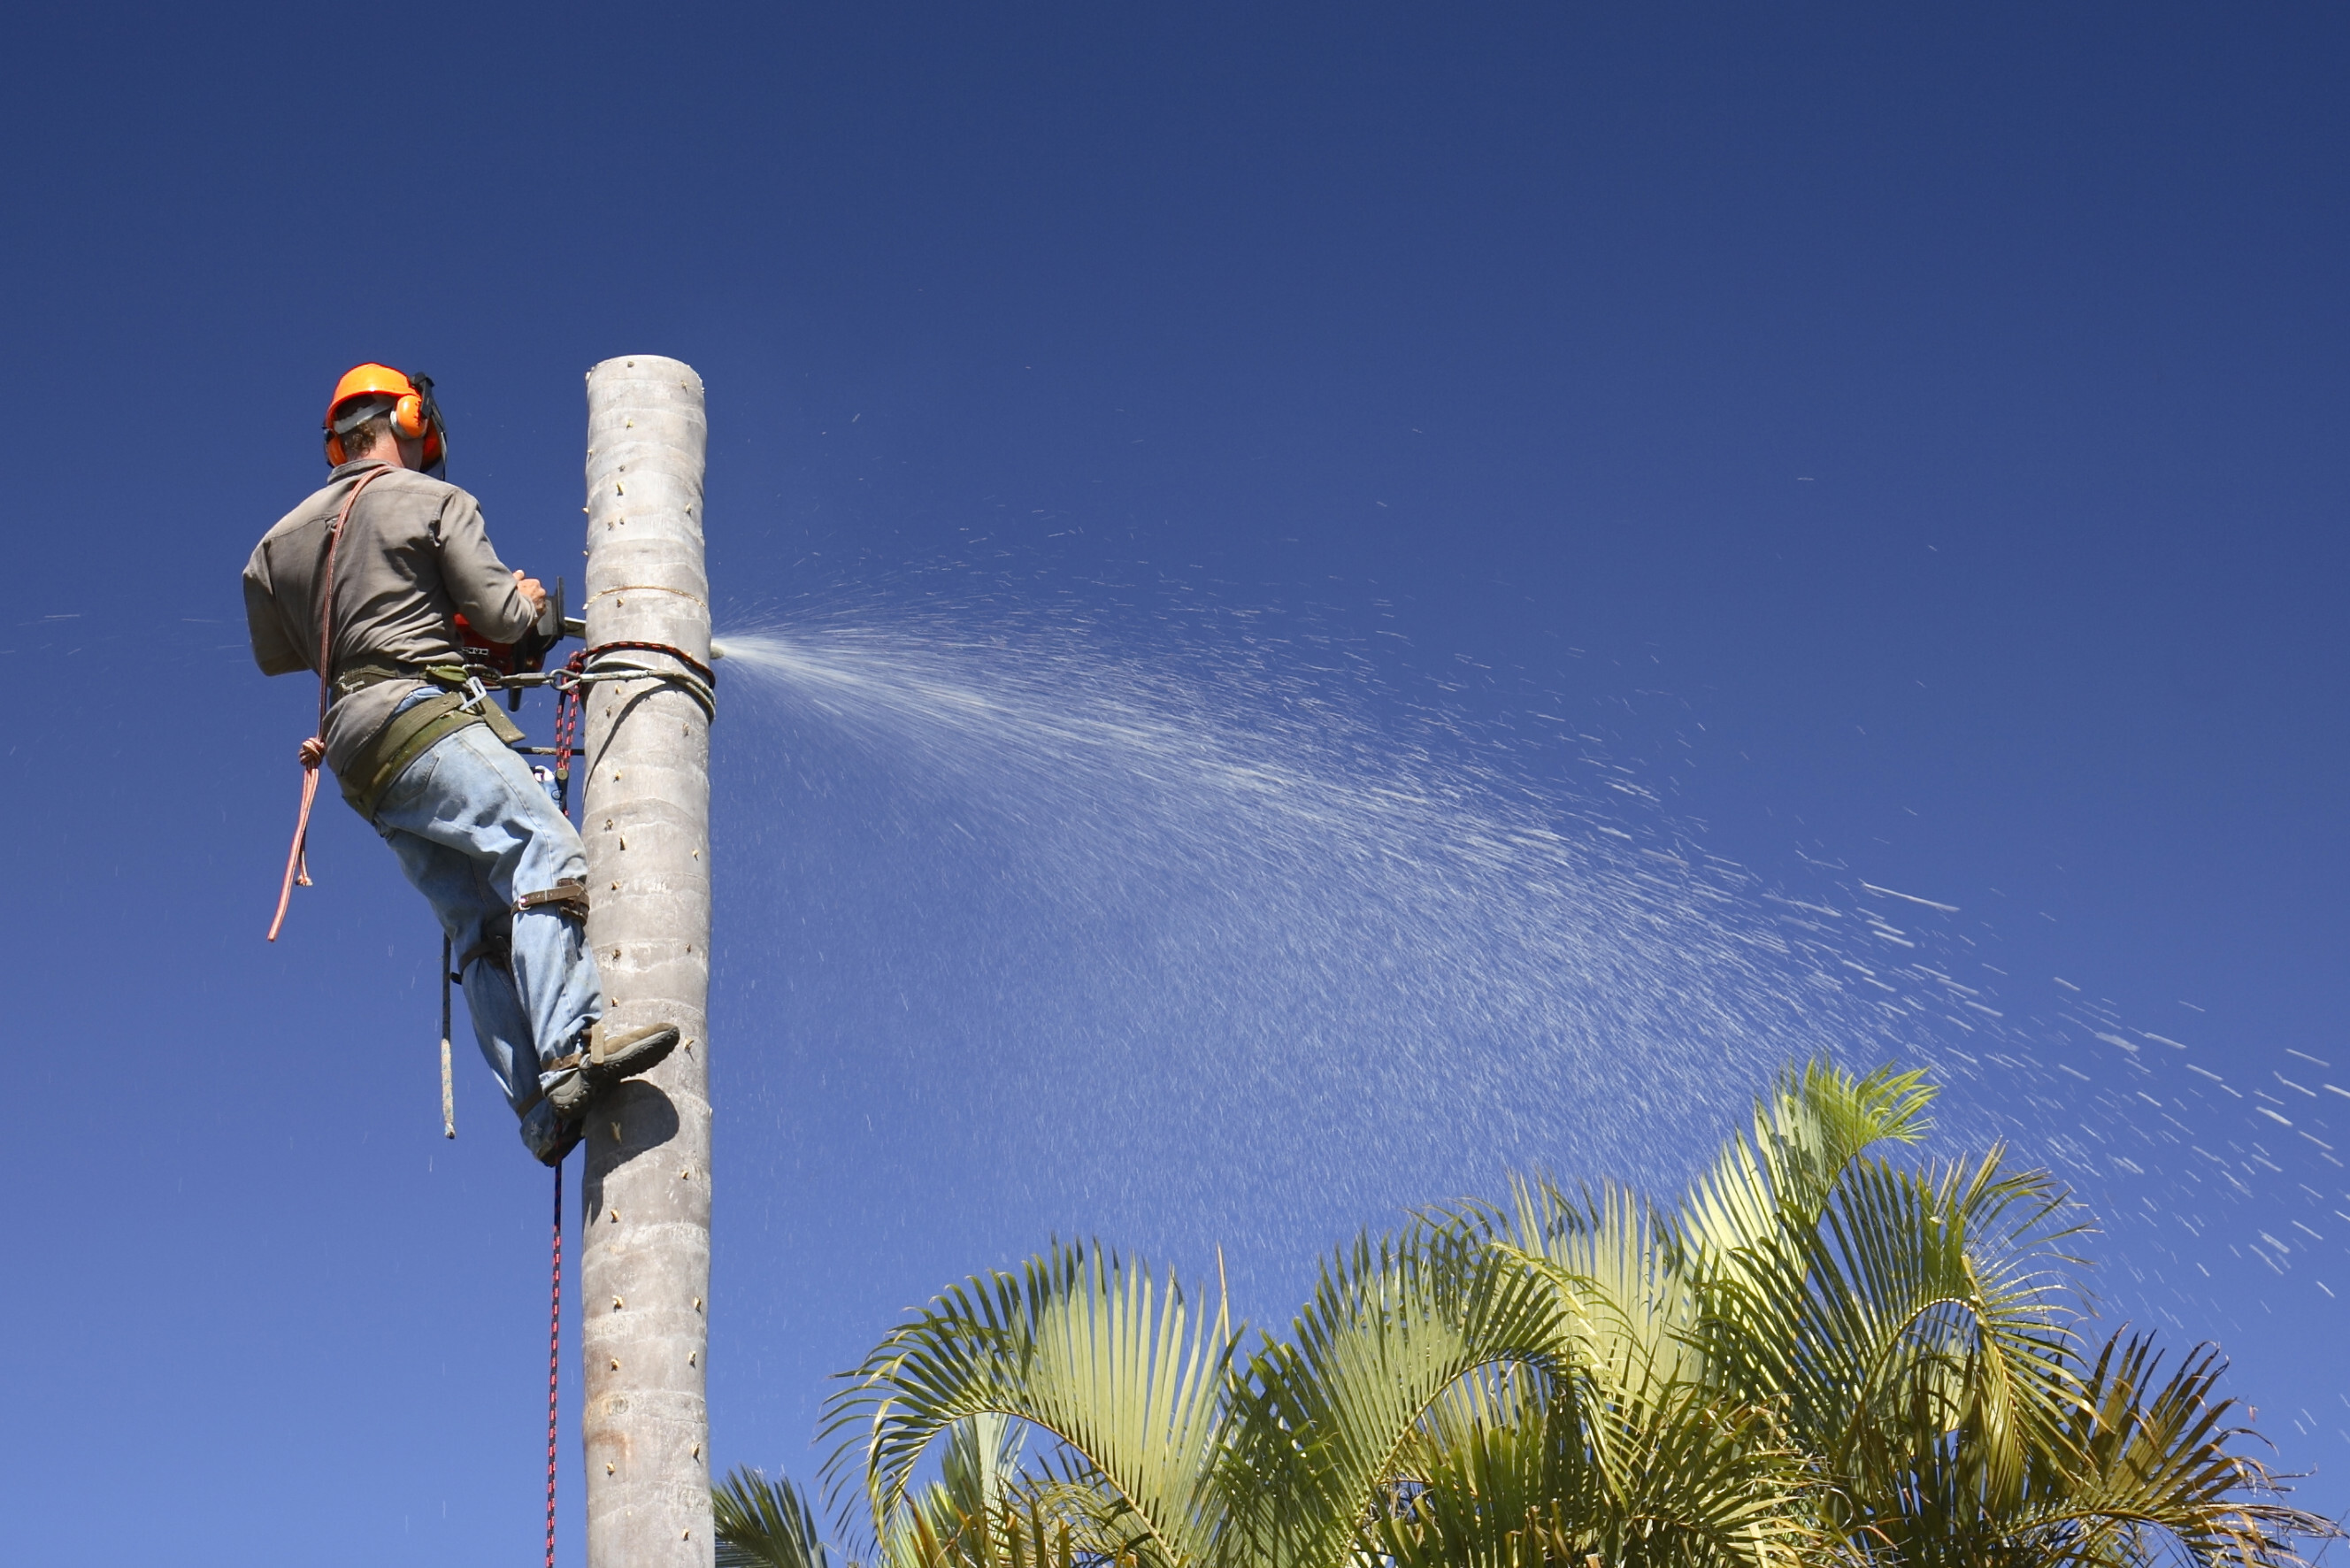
<point x="569" y="694"/>
<point x="297" y="865"/>
<point x="554" y="1361"/>
<point x="314" y="750"/>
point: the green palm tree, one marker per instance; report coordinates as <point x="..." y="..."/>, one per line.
<point x="1822" y="1354"/>
<point x="1903" y="1333"/>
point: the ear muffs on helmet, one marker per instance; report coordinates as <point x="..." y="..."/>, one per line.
<point x="408" y="420"/>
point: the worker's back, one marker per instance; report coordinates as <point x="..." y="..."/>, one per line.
<point x="414" y="555"/>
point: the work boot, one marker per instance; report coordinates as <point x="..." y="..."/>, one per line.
<point x="549" y="1135"/>
<point x="604" y="1060"/>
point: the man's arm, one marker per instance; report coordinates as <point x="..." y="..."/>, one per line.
<point x="271" y="649"/>
<point x="479" y="583"/>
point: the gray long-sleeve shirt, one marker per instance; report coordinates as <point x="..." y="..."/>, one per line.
<point x="414" y="554"/>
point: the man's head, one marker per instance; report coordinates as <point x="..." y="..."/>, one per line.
<point x="371" y="437"/>
<point x="379" y="412"/>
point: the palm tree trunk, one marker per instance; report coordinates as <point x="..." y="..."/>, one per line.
<point x="644" y="1267"/>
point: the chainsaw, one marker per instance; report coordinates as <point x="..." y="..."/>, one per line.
<point x="495" y="663"/>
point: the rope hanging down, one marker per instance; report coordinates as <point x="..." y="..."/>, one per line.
<point x="554" y="1361"/>
<point x="448" y="1077"/>
<point x="584" y="669"/>
<point x="314" y="750"/>
<point x="567" y="705"/>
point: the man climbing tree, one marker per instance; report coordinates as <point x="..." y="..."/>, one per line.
<point x="361" y="583"/>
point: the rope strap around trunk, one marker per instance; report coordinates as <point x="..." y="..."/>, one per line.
<point x="697" y="680"/>
<point x="594" y="666"/>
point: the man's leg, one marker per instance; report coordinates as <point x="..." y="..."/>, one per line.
<point x="471" y="797"/>
<point x="474" y="922"/>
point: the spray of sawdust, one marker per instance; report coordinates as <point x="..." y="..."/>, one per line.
<point x="1185" y="941"/>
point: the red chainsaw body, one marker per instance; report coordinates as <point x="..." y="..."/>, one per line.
<point x="526" y="658"/>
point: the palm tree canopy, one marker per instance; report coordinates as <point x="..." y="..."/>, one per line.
<point x="1828" y="1351"/>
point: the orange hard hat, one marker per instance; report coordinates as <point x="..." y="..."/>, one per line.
<point x="414" y="415"/>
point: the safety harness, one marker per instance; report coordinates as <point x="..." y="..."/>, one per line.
<point x="409" y="733"/>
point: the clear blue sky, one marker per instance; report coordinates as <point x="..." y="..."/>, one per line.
<point x="1914" y="436"/>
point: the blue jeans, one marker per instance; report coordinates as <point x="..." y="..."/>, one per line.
<point x="474" y="829"/>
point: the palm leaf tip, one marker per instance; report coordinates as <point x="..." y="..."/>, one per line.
<point x="761" y="1523"/>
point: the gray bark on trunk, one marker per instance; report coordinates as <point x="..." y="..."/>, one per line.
<point x="644" y="1265"/>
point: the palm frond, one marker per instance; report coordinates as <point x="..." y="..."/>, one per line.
<point x="763" y="1524"/>
<point x="1682" y="1480"/>
<point x="1092" y="1349"/>
<point x="1321" y="1420"/>
<point x="2154" y="1459"/>
<point x="1932" y="1305"/>
<point x="1776" y="1178"/>
<point x="1626" y="1310"/>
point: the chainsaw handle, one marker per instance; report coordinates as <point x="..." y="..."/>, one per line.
<point x="551" y="618"/>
